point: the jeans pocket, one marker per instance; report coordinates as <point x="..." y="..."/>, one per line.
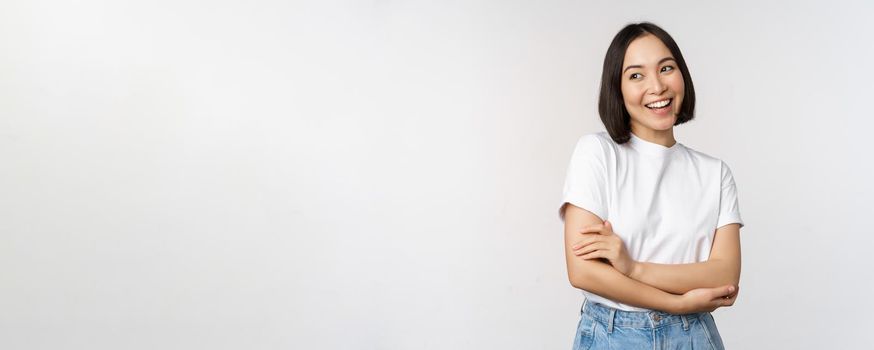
<point x="709" y="325"/>
<point x="585" y="333"/>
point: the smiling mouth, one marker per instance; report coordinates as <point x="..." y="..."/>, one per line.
<point x="660" y="104"/>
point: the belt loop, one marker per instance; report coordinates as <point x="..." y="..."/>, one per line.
<point x="583" y="308"/>
<point x="610" y="321"/>
<point x="685" y="322"/>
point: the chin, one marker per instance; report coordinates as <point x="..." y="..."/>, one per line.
<point x="663" y="128"/>
<point x="663" y="124"/>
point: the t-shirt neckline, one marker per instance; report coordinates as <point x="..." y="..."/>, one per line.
<point x="652" y="148"/>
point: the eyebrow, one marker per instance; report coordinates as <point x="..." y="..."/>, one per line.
<point x="660" y="62"/>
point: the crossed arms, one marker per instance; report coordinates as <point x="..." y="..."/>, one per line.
<point x="673" y="288"/>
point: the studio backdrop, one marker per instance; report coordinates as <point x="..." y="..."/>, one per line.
<point x="387" y="174"/>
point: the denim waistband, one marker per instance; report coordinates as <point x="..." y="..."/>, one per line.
<point x="634" y="319"/>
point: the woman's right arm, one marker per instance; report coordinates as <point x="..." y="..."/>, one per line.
<point x="602" y="279"/>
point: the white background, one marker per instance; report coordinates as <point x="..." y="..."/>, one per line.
<point x="386" y="174"/>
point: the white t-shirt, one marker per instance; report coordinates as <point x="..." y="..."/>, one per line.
<point x="665" y="203"/>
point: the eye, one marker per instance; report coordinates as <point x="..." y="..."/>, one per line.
<point x="667" y="68"/>
<point x="632" y="76"/>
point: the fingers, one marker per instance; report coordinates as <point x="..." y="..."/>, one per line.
<point x="590" y="248"/>
<point x="709" y="299"/>
<point x="724" y="296"/>
<point x="608" y="228"/>
<point x="592" y="229"/>
<point x="723" y="292"/>
<point x="593" y="255"/>
<point x="733" y="292"/>
<point x="726" y="301"/>
<point x="730" y="299"/>
<point x="589" y="239"/>
<point x="604" y="229"/>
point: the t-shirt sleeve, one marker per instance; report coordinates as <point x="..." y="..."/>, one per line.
<point x="729" y="212"/>
<point x="585" y="182"/>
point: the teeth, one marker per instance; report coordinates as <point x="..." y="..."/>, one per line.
<point x="659" y="104"/>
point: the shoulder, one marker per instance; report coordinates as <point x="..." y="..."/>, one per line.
<point x="596" y="142"/>
<point x="702" y="157"/>
<point x="716" y="164"/>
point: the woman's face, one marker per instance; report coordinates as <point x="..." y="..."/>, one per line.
<point x="650" y="78"/>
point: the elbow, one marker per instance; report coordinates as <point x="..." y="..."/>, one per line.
<point x="729" y="277"/>
<point x="580" y="280"/>
<point x="575" y="282"/>
<point x="735" y="280"/>
<point x="588" y="276"/>
<point x="729" y="272"/>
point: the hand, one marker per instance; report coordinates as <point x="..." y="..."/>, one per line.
<point x="599" y="241"/>
<point x="707" y="299"/>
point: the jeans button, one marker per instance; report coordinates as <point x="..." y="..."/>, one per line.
<point x="656" y="317"/>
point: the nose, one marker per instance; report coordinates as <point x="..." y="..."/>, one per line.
<point x="657" y="87"/>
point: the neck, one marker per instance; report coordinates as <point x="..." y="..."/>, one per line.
<point x="661" y="137"/>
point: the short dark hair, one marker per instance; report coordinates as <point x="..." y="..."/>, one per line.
<point x="611" y="105"/>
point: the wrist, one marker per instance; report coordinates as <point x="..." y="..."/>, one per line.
<point x="636" y="270"/>
<point x="677" y="305"/>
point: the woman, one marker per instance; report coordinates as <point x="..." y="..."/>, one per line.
<point x="652" y="227"/>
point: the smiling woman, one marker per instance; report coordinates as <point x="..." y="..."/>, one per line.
<point x="652" y="227"/>
<point x="644" y="65"/>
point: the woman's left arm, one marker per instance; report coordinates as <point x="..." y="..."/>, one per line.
<point x="721" y="268"/>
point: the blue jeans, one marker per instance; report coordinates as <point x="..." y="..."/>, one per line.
<point x="603" y="327"/>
